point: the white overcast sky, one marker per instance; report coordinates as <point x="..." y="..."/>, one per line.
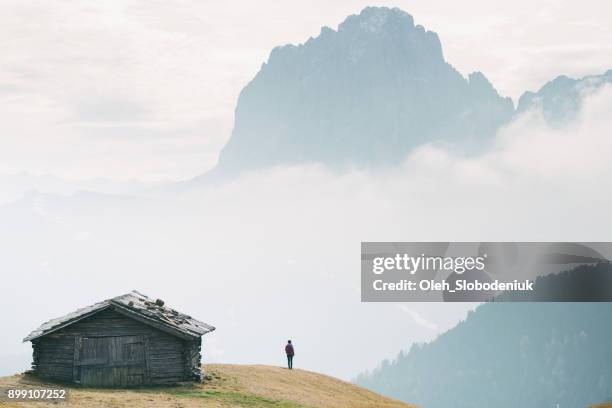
<point x="146" y="89"/>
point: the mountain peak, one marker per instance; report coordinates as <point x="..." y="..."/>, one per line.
<point x="365" y="94"/>
<point x="374" y="19"/>
<point x="370" y="34"/>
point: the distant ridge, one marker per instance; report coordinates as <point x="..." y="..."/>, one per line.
<point x="561" y="99"/>
<point x="509" y="355"/>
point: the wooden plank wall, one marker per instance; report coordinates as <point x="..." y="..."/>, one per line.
<point x="54" y="357"/>
<point x="170" y="359"/>
<point x="193" y="360"/>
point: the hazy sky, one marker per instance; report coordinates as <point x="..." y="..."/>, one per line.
<point x="146" y="89"/>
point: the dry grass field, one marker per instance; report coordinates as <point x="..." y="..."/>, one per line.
<point x="226" y="386"/>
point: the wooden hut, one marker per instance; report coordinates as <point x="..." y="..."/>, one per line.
<point x="129" y="340"/>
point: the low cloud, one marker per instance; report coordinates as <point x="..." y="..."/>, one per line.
<point x="225" y="247"/>
<point x="418" y="318"/>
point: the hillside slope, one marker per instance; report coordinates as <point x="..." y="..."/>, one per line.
<point x="226" y="386"/>
<point x="508" y="355"/>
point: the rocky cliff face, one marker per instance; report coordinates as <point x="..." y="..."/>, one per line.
<point x="560" y="99"/>
<point x="364" y="94"/>
<point x="371" y="91"/>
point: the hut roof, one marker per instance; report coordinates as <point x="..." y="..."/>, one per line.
<point x="138" y="306"/>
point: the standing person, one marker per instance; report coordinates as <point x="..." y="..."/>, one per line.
<point x="290" y="353"/>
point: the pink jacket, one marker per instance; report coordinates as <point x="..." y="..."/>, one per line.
<point x="289" y="350"/>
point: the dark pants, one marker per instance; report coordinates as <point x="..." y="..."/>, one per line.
<point x="290" y="361"/>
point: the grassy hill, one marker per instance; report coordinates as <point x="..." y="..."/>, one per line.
<point x="226" y="386"/>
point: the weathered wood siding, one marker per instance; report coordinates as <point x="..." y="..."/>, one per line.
<point x="193" y="360"/>
<point x="53" y="356"/>
<point x="170" y="359"/>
